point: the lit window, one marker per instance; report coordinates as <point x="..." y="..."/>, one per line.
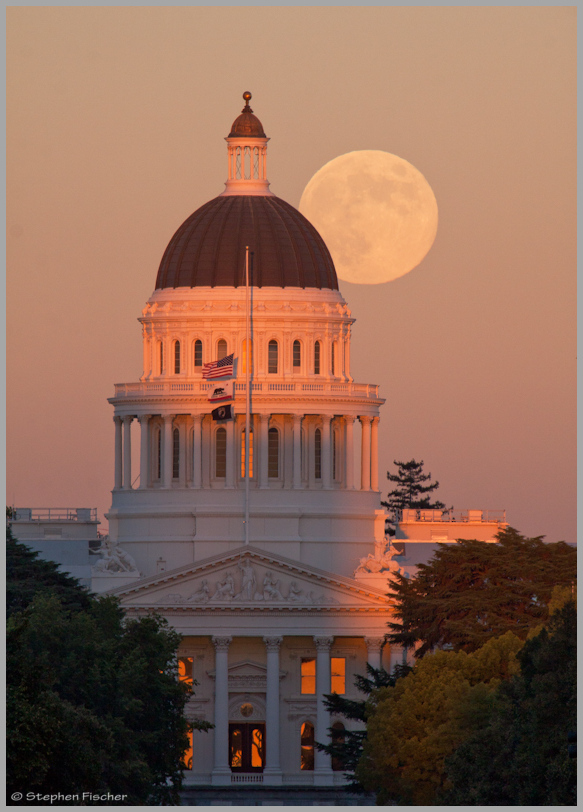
<point x="177" y="357"/>
<point x="308" y="675"/>
<point x="338" y="737"/>
<point x="187" y="756"/>
<point x="297" y="354"/>
<point x="318" y="454"/>
<point x="317" y="358"/>
<point x="185" y="670"/>
<point x="250" y="454"/>
<point x="272" y="356"/>
<point x="221" y="349"/>
<point x="221" y="453"/>
<point x="244" y="357"/>
<point x="257" y="747"/>
<point x="198" y="353"/>
<point x="237" y="748"/>
<point x="337" y="675"/>
<point x="273" y="454"/>
<point x="307" y="746"/>
<point x="176" y="454"/>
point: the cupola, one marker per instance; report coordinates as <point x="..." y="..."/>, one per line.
<point x="247" y="155"/>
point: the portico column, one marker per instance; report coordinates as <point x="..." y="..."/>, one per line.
<point x="349" y="452"/>
<point x="272" y="771"/>
<point x="167" y="473"/>
<point x="326" y="461"/>
<point x="221" y="771"/>
<point x="374" y="455"/>
<point x="297" y="451"/>
<point x="365" y="454"/>
<point x="373" y="650"/>
<point x="323" y="775"/>
<point x="144" y="461"/>
<point x="196" y="450"/>
<point x="230" y="456"/>
<point x="118" y="453"/>
<point x="263" y="431"/>
<point x="127" y="452"/>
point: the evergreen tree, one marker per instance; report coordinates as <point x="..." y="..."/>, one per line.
<point x="411" y="492"/>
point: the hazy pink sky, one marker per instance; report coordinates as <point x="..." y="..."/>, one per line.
<point x="116" y="121"/>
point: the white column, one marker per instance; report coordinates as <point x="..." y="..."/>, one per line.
<point x="326" y="456"/>
<point x="183" y="441"/>
<point x="127" y="452"/>
<point x="146" y="342"/>
<point x="272" y="772"/>
<point x="196" y="451"/>
<point x="349" y="452"/>
<point x="373" y="650"/>
<point x="118" y="453"/>
<point x="230" y="461"/>
<point x="323" y="775"/>
<point x="297" y="451"/>
<point x="263" y="467"/>
<point x="221" y="771"/>
<point x="167" y="451"/>
<point x="365" y="454"/>
<point x="144" y="456"/>
<point x="374" y="455"/>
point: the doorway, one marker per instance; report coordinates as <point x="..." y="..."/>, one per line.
<point x="247" y="746"/>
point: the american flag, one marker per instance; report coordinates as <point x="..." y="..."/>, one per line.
<point x="219" y="369"/>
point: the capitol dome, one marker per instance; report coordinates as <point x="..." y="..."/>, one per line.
<point x="208" y="250"/>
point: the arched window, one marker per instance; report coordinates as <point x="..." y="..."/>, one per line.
<point x="333" y="358"/>
<point x="250" y="453"/>
<point x="317" y="358"/>
<point x="158" y="453"/>
<point x="177" y="357"/>
<point x="244" y="357"/>
<point x="176" y="454"/>
<point x="221" y="349"/>
<point x="338" y="737"/>
<point x="272" y="357"/>
<point x="318" y="454"/>
<point x="307" y="746"/>
<point x="161" y="356"/>
<point x="297" y="355"/>
<point x="198" y="353"/>
<point x="273" y="454"/>
<point x="221" y="453"/>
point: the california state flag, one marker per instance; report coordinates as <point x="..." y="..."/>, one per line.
<point x="221" y="391"/>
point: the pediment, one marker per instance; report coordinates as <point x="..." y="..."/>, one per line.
<point x="252" y="579"/>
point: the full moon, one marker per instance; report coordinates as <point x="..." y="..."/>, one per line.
<point x="376" y="213"/>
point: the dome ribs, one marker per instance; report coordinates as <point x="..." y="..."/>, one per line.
<point x="209" y="247"/>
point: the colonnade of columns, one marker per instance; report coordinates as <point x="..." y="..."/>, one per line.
<point x="368" y="455"/>
<point x="272" y="773"/>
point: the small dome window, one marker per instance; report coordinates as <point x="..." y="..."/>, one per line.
<point x="198" y="353"/>
<point x="221" y="349"/>
<point x="297" y="354"/>
<point x="273" y="454"/>
<point x="318" y="454"/>
<point x="221" y="453"/>
<point x="177" y="357"/>
<point x="272" y="357"/>
<point x="317" y="358"/>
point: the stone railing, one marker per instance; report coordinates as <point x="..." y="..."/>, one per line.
<point x="300" y="388"/>
<point x="54" y="514"/>
<point x="419" y="515"/>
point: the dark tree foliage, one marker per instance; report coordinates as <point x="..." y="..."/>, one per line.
<point x="349" y="751"/>
<point x="520" y="757"/>
<point x="472" y="591"/>
<point x="411" y="491"/>
<point x="93" y="701"/>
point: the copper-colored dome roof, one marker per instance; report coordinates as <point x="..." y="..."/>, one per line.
<point x="247" y="125"/>
<point x="209" y="247"/>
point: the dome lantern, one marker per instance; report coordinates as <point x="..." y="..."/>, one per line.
<point x="247" y="155"/>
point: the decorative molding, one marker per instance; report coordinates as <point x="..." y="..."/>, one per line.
<point x="272" y="643"/>
<point x="221" y="643"/>
<point x="323" y="643"/>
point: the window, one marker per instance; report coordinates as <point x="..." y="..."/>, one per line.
<point x="272" y="357"/>
<point x="333" y="358"/>
<point x="317" y="358"/>
<point x="308" y="675"/>
<point x="161" y="356"/>
<point x="185" y="670"/>
<point x="297" y="354"/>
<point x="221" y="349"/>
<point x="318" y="454"/>
<point x="338" y="675"/>
<point x="307" y="746"/>
<point x="177" y="357"/>
<point x="221" y="453"/>
<point x="198" y="353"/>
<point x="250" y="454"/>
<point x="338" y="737"/>
<point x="244" y="357"/>
<point x="273" y="454"/>
<point x="187" y="755"/>
<point x="176" y="454"/>
<point x="158" y="453"/>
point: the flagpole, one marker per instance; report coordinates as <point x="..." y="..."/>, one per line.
<point x="247" y="393"/>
